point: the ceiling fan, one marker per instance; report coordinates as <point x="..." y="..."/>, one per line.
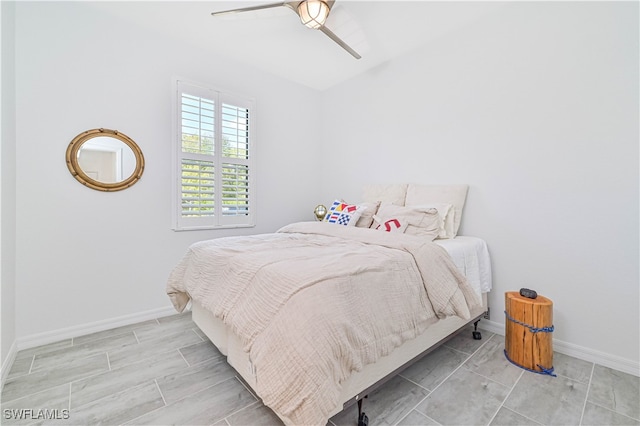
<point x="312" y="13"/>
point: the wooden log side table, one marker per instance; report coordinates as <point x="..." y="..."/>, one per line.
<point x="528" y="327"/>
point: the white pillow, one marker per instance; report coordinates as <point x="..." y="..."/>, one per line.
<point x="419" y="195"/>
<point x="341" y="213"/>
<point x="393" y="194"/>
<point x="419" y="221"/>
<point x="446" y="212"/>
<point x="366" y="218"/>
<point x="391" y="225"/>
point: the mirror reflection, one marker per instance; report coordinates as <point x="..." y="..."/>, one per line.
<point x="106" y="159"/>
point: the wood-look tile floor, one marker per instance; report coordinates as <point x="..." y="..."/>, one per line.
<point x="165" y="371"/>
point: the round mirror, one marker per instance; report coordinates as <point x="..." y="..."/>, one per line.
<point x="104" y="159"/>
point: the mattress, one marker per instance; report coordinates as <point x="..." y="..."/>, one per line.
<point x="471" y="256"/>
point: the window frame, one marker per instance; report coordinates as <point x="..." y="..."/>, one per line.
<point x="219" y="97"/>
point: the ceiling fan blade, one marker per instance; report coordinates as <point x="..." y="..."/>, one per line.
<point x="251" y="8"/>
<point x="341" y="43"/>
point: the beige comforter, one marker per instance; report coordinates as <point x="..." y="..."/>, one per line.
<point x="315" y="302"/>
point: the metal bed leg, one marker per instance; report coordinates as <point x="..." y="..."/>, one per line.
<point x="476" y="334"/>
<point x="363" y="420"/>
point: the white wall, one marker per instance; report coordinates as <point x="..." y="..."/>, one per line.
<point x="536" y="108"/>
<point x="7" y="180"/>
<point x="85" y="256"/>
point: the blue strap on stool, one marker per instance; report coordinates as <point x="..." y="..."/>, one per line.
<point x="530" y="327"/>
<point x="546" y="371"/>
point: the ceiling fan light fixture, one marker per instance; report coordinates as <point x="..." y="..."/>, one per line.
<point x="313" y="13"/>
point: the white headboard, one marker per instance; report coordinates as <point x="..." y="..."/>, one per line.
<point x="418" y="195"/>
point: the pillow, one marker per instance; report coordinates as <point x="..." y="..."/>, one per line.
<point x="370" y="209"/>
<point x="446" y="212"/>
<point x="391" y="225"/>
<point x="420" y="221"/>
<point x="419" y="195"/>
<point x="341" y="213"/>
<point x="393" y="194"/>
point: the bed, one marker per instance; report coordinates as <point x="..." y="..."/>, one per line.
<point x="315" y="316"/>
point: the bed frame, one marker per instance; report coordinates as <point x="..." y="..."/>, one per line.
<point x="361" y="383"/>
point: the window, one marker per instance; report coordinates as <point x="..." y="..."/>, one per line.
<point x="213" y="145"/>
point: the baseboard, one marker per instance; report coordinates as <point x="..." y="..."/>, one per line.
<point x="602" y="358"/>
<point x="8" y="363"/>
<point x="607" y="360"/>
<point x="492" y="326"/>
<point x="93" y="327"/>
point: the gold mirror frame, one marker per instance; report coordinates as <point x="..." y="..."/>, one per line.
<point x="80" y="175"/>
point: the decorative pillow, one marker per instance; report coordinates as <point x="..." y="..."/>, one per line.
<point x="420" y="221"/>
<point x="419" y="195"/>
<point x="341" y="213"/>
<point x="370" y="209"/>
<point x="391" y="225"/>
<point x="446" y="212"/>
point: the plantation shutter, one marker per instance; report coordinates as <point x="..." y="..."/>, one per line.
<point x="214" y="152"/>
<point x="234" y="159"/>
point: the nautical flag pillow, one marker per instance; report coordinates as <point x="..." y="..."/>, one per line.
<point x="341" y="213"/>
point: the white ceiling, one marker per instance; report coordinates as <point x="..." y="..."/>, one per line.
<point x="275" y="41"/>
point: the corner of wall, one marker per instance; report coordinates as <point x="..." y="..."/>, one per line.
<point x="7" y="186"/>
